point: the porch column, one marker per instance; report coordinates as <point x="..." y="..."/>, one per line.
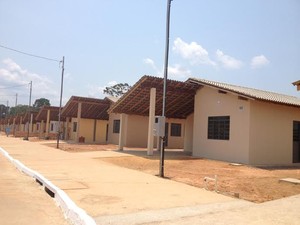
<point x="31" y="123"/>
<point x="151" y="121"/>
<point x="122" y="132"/>
<point x="41" y="131"/>
<point x="47" y="124"/>
<point x="78" y="121"/>
<point x="14" y="127"/>
<point x="67" y="129"/>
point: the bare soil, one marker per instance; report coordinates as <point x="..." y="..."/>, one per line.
<point x="246" y="182"/>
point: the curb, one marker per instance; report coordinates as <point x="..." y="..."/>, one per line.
<point x="71" y="211"/>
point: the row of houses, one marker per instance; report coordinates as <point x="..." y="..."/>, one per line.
<point x="204" y="118"/>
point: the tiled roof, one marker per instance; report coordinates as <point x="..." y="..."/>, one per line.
<point x="179" y="98"/>
<point x="250" y="92"/>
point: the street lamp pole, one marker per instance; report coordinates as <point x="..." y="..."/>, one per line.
<point x="162" y="152"/>
<point x="60" y="100"/>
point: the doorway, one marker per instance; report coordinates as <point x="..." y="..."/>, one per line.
<point x="296" y="142"/>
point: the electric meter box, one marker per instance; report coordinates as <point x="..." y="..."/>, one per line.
<point x="159" y="126"/>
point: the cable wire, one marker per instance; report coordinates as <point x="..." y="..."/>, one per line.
<point x="13" y="86"/>
<point x="29" y="54"/>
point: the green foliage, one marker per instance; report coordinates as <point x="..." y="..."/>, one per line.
<point x="41" y="102"/>
<point x="3" y="110"/>
<point x="19" y="109"/>
<point x="117" y="90"/>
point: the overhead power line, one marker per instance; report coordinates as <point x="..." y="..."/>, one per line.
<point x="29" y="54"/>
<point x="21" y="85"/>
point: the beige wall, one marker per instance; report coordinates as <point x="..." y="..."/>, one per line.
<point x="188" y="137"/>
<point x="112" y="137"/>
<point x="136" y="131"/>
<point x="208" y="102"/>
<point x="174" y="141"/>
<point x="101" y="130"/>
<point x="271" y="133"/>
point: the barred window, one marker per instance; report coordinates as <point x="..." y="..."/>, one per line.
<point x="116" y="126"/>
<point x="176" y="129"/>
<point x="218" y="127"/>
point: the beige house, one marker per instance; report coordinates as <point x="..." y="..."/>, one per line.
<point x="132" y="116"/>
<point x="47" y="122"/>
<point x="244" y="125"/>
<point x="212" y="120"/>
<point x="86" y="119"/>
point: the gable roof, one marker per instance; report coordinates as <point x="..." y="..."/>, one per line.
<point x="42" y="114"/>
<point x="179" y="98"/>
<point x="250" y="92"/>
<point x="92" y="108"/>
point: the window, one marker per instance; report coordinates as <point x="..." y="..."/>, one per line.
<point x="37" y="127"/>
<point x="116" y="127"/>
<point x="51" y="127"/>
<point x="218" y="127"/>
<point x="74" y="126"/>
<point x="176" y="129"/>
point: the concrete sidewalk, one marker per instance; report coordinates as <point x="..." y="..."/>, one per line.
<point x="23" y="201"/>
<point x="115" y="195"/>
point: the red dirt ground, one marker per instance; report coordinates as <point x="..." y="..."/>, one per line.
<point x="246" y="182"/>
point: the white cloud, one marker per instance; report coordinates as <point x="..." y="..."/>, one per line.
<point x="11" y="74"/>
<point x="194" y="52"/>
<point x="178" y="72"/>
<point x="259" y="61"/>
<point x="227" y="61"/>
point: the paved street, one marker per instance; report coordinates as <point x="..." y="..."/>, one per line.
<point x="115" y="195"/>
<point x="23" y="201"/>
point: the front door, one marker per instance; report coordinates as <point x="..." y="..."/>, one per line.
<point x="296" y="142"/>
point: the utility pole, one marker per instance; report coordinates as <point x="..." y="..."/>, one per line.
<point x="60" y="100"/>
<point x="29" y="105"/>
<point x="162" y="152"/>
<point x="16" y="99"/>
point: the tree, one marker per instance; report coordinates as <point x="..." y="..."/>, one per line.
<point x="3" y="111"/>
<point x="117" y="90"/>
<point x="19" y="109"/>
<point x="41" y="102"/>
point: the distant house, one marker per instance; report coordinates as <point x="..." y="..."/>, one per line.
<point x="47" y="122"/>
<point x="86" y="119"/>
<point x="212" y="120"/>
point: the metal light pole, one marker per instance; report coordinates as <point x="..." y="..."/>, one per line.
<point x="60" y="100"/>
<point x="162" y="152"/>
<point x="29" y="105"/>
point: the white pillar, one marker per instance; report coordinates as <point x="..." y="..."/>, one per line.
<point x="78" y="121"/>
<point x="47" y="124"/>
<point x="31" y="123"/>
<point x="122" y="132"/>
<point x="151" y="121"/>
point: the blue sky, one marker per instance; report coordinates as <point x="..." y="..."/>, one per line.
<point x="251" y="43"/>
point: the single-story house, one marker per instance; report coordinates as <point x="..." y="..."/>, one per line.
<point x="47" y="122"/>
<point x="245" y="125"/>
<point x="212" y="120"/>
<point x="86" y="119"/>
<point x="129" y="117"/>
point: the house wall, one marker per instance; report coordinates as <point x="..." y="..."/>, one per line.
<point x="174" y="141"/>
<point x="271" y="133"/>
<point x="137" y="131"/>
<point x="101" y="131"/>
<point x="113" y="138"/>
<point x="72" y="133"/>
<point x="208" y="102"/>
<point x="188" y="137"/>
